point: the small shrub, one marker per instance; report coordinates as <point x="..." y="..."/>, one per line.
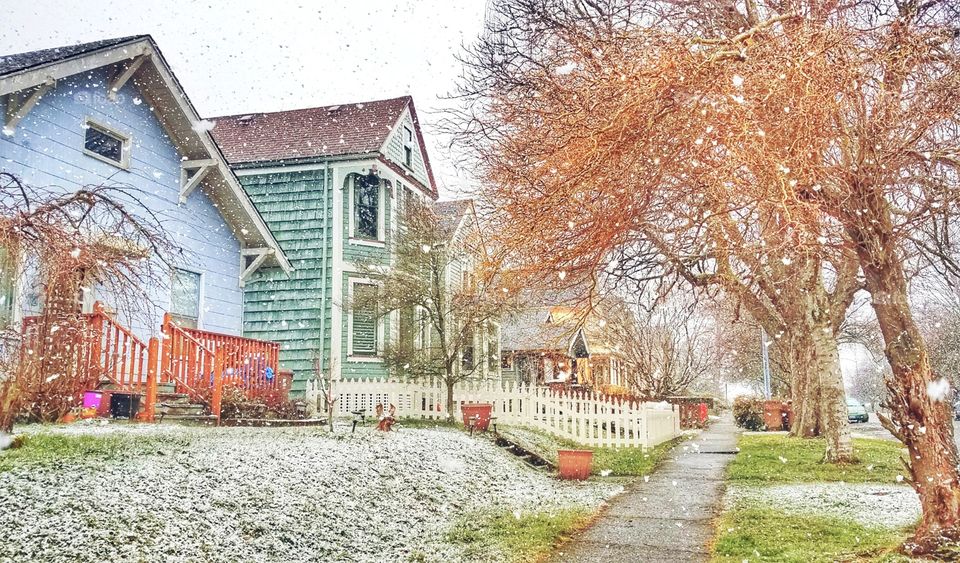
<point x="748" y="413"/>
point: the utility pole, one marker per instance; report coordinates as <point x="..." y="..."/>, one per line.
<point x="765" y="363"/>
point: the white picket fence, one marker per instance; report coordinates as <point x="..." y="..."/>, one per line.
<point x="588" y="418"/>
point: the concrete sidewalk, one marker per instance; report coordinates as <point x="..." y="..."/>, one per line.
<point x="669" y="517"/>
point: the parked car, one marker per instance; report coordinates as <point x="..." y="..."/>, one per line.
<point x="856" y="412"/>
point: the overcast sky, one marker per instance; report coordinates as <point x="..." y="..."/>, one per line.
<point x="244" y="56"/>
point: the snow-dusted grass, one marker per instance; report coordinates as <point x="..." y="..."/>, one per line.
<point x="138" y="492"/>
<point x="783" y="504"/>
<point x="871" y="505"/>
<point x="520" y="536"/>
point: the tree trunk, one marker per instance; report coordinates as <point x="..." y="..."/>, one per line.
<point x="451" y="415"/>
<point x="833" y="400"/>
<point x="921" y="411"/>
<point x="819" y="400"/>
<point x="806" y="388"/>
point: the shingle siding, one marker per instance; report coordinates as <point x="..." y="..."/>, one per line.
<point x="286" y="309"/>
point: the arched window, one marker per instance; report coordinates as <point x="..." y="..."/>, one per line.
<point x="366" y="207"/>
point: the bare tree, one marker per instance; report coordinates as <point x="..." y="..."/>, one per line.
<point x="665" y="351"/>
<point x="581" y="119"/>
<point x="65" y="243"/>
<point x="441" y="318"/>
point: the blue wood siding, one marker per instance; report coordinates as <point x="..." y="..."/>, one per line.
<point x="46" y="149"/>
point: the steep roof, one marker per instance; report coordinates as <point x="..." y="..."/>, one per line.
<point x="355" y="129"/>
<point x="451" y="213"/>
<point x="22" y="61"/>
<point x="337" y="130"/>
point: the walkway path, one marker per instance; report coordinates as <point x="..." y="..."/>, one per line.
<point x="669" y="517"/>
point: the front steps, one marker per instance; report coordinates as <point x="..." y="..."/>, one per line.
<point x="171" y="407"/>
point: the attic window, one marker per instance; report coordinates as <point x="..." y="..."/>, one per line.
<point x="408" y="147"/>
<point x="105" y="144"/>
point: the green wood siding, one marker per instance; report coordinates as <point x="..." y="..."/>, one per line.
<point x="289" y="310"/>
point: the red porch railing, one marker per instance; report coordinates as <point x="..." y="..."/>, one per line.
<point x="102" y="349"/>
<point x="198" y="362"/>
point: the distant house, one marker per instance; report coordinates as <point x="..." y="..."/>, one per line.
<point x="458" y="219"/>
<point x="547" y="345"/>
<point x="331" y="182"/>
<point x="112" y="112"/>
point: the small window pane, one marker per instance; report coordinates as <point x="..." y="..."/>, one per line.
<point x="367" y="208"/>
<point x="185" y="298"/>
<point x="364" y="320"/>
<point x="105" y="144"/>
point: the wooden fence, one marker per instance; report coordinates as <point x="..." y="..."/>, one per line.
<point x="588" y="418"/>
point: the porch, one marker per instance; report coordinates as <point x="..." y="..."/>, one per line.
<point x="184" y="367"/>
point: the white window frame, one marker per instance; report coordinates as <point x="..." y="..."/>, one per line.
<point x="351" y="357"/>
<point x="381" y="241"/>
<point x="124" y="163"/>
<point x="200" y="297"/>
<point x="408" y="138"/>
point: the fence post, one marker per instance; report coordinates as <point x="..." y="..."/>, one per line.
<point x="153" y="357"/>
<point x="217" y="396"/>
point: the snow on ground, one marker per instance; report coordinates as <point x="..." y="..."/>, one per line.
<point x="888" y="506"/>
<point x="269" y="494"/>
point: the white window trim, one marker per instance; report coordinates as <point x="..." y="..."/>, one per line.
<point x="379" y="324"/>
<point x="381" y="241"/>
<point x="200" y="298"/>
<point x="124" y="163"/>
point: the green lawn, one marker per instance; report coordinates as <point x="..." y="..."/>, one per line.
<point x="44" y="449"/>
<point x="756" y="533"/>
<point x="768" y="460"/>
<point x="529" y="537"/>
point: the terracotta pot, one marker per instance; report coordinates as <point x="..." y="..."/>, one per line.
<point x="482" y="411"/>
<point x="574" y="464"/>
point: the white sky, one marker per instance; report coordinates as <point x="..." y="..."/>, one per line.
<point x="244" y="56"/>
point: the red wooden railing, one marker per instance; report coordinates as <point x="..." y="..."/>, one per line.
<point x="198" y="362"/>
<point x="103" y="350"/>
<point x="249" y="364"/>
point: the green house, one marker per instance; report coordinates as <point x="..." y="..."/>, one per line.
<point x="329" y="181"/>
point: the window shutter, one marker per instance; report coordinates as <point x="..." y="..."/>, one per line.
<point x="364" y="321"/>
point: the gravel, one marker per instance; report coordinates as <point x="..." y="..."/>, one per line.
<point x="887" y="506"/>
<point x="269" y="494"/>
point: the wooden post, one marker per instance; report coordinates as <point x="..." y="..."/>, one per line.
<point x="96" y="362"/>
<point x="217" y="396"/>
<point x="166" y="354"/>
<point x="153" y="358"/>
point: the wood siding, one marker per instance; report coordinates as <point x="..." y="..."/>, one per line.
<point x="286" y="309"/>
<point x="46" y="149"/>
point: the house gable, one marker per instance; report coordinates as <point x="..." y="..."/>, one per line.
<point x="106" y="69"/>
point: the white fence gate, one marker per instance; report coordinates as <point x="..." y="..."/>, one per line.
<point x="588" y="418"/>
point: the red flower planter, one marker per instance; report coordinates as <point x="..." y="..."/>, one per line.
<point x="574" y="464"/>
<point x="480" y="410"/>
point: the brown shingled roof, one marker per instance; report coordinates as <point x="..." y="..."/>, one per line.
<point x="328" y="131"/>
<point x="312" y="132"/>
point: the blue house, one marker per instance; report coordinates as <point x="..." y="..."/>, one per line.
<point x="112" y="112"/>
